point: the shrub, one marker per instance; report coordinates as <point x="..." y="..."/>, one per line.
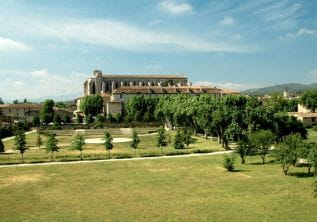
<point x="315" y="128"/>
<point x="228" y="162"/>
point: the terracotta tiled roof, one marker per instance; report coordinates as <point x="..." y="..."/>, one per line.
<point x="167" y="90"/>
<point x="20" y="105"/>
<point x="145" y="76"/>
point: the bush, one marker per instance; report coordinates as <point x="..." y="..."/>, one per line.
<point x="228" y="162"/>
<point x="315" y="128"/>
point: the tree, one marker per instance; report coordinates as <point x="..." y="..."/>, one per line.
<point x="25" y="100"/>
<point x="47" y="112"/>
<point x="1" y="146"/>
<point x="89" y="119"/>
<point x="1" y="101"/>
<point x="312" y="157"/>
<point x="243" y="149"/>
<point x="187" y="137"/>
<point x="178" y="140"/>
<point x="262" y="140"/>
<point x="51" y="145"/>
<point x="108" y="142"/>
<point x="135" y="140"/>
<point x="20" y="143"/>
<point x="79" y="118"/>
<point x="67" y="119"/>
<point x="309" y="99"/>
<point x="57" y="120"/>
<point x="78" y="143"/>
<point x="287" y="152"/>
<point x="15" y="101"/>
<point x="39" y="140"/>
<point x="36" y="121"/>
<point x="91" y="105"/>
<point x="161" y="138"/>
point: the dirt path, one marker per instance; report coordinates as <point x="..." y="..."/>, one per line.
<point x="116" y="160"/>
<point x="12" y="137"/>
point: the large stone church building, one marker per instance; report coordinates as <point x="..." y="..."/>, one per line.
<point x="116" y="89"/>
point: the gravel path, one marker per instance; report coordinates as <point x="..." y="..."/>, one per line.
<point x="12" y="137"/>
<point x="116" y="160"/>
<point x="101" y="141"/>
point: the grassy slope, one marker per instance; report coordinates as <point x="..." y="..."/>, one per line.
<point x="180" y="189"/>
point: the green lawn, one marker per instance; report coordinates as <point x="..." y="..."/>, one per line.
<point x="178" y="189"/>
<point x="147" y="146"/>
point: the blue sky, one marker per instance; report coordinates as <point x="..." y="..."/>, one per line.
<point x="47" y="48"/>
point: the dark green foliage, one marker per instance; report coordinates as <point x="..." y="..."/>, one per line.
<point x="1" y="101"/>
<point x="89" y="119"/>
<point x="57" y="120"/>
<point x="78" y="143"/>
<point x="178" y="140"/>
<point x="243" y="149"/>
<point x="309" y="99"/>
<point x="91" y="105"/>
<point x="108" y="142"/>
<point x="135" y="139"/>
<point x="15" y="101"/>
<point x="312" y="157"/>
<point x="188" y="137"/>
<point x="141" y="108"/>
<point x="287" y="152"/>
<point x="1" y="146"/>
<point x="79" y="118"/>
<point x="262" y="141"/>
<point x="20" y="143"/>
<point x="36" y="121"/>
<point x="67" y="119"/>
<point x="47" y="112"/>
<point x="161" y="138"/>
<point x="51" y="145"/>
<point x="286" y="125"/>
<point x="61" y="105"/>
<point x="228" y="162"/>
<point x="100" y="118"/>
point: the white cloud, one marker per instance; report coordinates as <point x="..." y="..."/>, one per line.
<point x="228" y="85"/>
<point x="120" y="35"/>
<point x="228" y="20"/>
<point x="301" y="32"/>
<point x="40" y="83"/>
<point x="175" y="8"/>
<point x="7" y="44"/>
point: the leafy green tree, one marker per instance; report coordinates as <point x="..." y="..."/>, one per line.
<point x="161" y="138"/>
<point x="1" y="101"/>
<point x="61" y="105"/>
<point x="67" y="119"/>
<point x="135" y="140"/>
<point x="91" y="105"/>
<point x="178" y="140"/>
<point x="100" y="119"/>
<point x="47" y="112"/>
<point x="79" y="118"/>
<point x="15" y="101"/>
<point x="36" y="121"/>
<point x="261" y="141"/>
<point x="89" y="119"/>
<point x="78" y="143"/>
<point x="57" y="120"/>
<point x="1" y="146"/>
<point x="243" y="149"/>
<point x="39" y="140"/>
<point x="51" y="145"/>
<point x="309" y="99"/>
<point x="312" y="157"/>
<point x="20" y="143"/>
<point x="108" y="143"/>
<point x="287" y="152"/>
<point x="188" y="137"/>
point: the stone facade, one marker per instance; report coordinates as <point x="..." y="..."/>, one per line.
<point x="305" y="115"/>
<point x="20" y="111"/>
<point x="116" y="89"/>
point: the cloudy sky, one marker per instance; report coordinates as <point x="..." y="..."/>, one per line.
<point x="47" y="48"/>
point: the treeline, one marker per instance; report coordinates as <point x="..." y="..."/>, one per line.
<point x="230" y="118"/>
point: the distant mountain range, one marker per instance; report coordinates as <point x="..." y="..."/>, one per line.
<point x="291" y="87"/>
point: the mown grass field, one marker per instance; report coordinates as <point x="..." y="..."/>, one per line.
<point x="177" y="189"/>
<point x="147" y="146"/>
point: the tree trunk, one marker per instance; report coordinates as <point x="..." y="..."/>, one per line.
<point x="161" y="150"/>
<point x="81" y="155"/>
<point x="263" y="159"/>
<point x="206" y="136"/>
<point x="22" y="157"/>
<point x="285" y="169"/>
<point x="309" y="167"/>
<point x="52" y="156"/>
<point x="109" y="154"/>
<point x="242" y="159"/>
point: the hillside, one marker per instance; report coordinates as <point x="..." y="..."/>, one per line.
<point x="291" y="87"/>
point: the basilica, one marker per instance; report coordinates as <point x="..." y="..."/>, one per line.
<point x="116" y="89"/>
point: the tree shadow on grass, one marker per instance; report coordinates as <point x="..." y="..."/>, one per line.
<point x="260" y="163"/>
<point x="239" y="171"/>
<point x="301" y="174"/>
